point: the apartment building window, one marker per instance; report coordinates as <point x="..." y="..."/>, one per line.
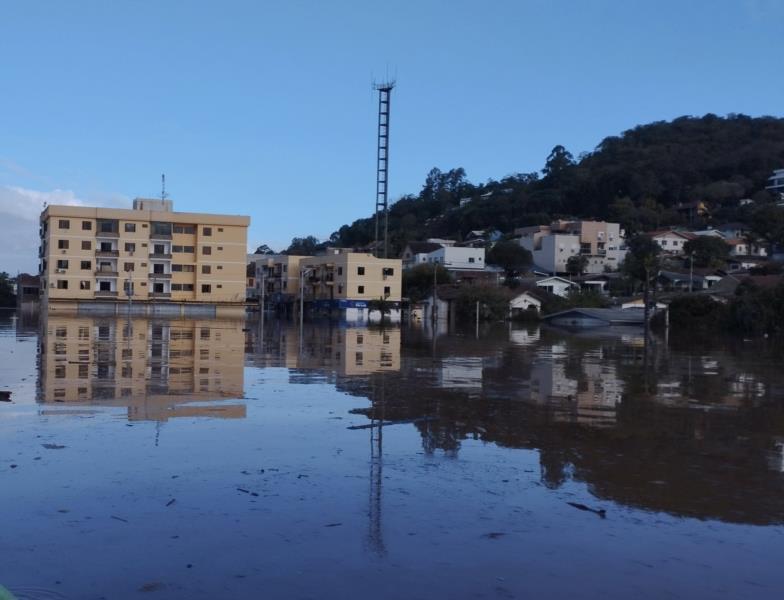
<point x="87" y="225"/>
<point x="340" y="270"/>
<point x="108" y="225"/>
<point x="182" y="287"/>
<point x="62" y="244"/>
<point x="220" y="286"/>
<point x="388" y="271"/>
<point x="130" y="247"/>
<point x="471" y="259"/>
<point x="189" y="229"/>
<point x="206" y="269"/>
<point x="87" y="245"/>
<point x="84" y="285"/>
<point x="62" y="284"/>
<point x="86" y="265"/>
<point x="159" y="228"/>
<point x="360" y="289"/>
<point x="158" y="269"/>
<point x="128" y="267"/>
<point x="340" y="288"/>
<point x="360" y="270"/>
<point x="130" y="228"/>
<point x="62" y="264"/>
<point x="183" y="249"/>
<point x="64" y="224"/>
<point x="207" y="250"/>
<point x="184" y="268"/>
<point x="206" y="288"/>
<point x="220" y="229"/>
<point x="207" y="231"/>
<point x="220" y="267"/>
<point x="387" y="291"/>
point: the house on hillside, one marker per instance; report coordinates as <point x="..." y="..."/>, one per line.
<point x="670" y="240"/>
<point x="558" y="286"/>
<point x="776" y="182"/>
<point x="740" y="247"/>
<point x="599" y="242"/>
<point x="416" y="253"/>
<point x="733" y="231"/>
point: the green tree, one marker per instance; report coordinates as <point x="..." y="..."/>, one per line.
<point x="559" y="160"/>
<point x="707" y="250"/>
<point x="493" y="302"/>
<point x="510" y="256"/>
<point x="767" y="222"/>
<point x="418" y="281"/>
<point x="642" y="263"/>
<point x="576" y="265"/>
<point x="307" y="246"/>
<point x="264" y="249"/>
<point x="7" y="293"/>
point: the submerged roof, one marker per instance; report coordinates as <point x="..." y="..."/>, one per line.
<point x="611" y="316"/>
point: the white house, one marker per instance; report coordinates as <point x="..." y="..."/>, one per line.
<point x="523" y="302"/>
<point x="743" y="248"/>
<point x="458" y="258"/>
<point x="776" y="181"/>
<point x="671" y="241"/>
<point x="557" y="285"/>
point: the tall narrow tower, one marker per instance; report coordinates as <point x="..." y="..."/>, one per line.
<point x="382" y="165"/>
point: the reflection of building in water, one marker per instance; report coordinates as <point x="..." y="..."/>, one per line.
<point x="343" y="351"/>
<point x="524" y="336"/>
<point x="151" y="366"/>
<point x="461" y="372"/>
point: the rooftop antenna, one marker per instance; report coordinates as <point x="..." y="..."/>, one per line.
<point x="164" y="195"/>
<point x="382" y="162"/>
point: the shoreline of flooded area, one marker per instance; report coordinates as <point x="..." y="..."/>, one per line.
<point x="231" y="459"/>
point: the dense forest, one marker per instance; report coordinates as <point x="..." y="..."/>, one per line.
<point x="636" y="178"/>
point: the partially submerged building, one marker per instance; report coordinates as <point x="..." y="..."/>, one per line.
<point x="163" y="261"/>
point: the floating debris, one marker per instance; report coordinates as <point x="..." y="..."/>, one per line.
<point x="597" y="511"/>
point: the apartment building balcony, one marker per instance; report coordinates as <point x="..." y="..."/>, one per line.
<point x="160" y="256"/>
<point x="107" y="234"/>
<point x="160" y="295"/>
<point x="160" y="275"/>
<point x="160" y="236"/>
<point x="107" y="253"/>
<point x="106" y="273"/>
<point x="105" y="294"/>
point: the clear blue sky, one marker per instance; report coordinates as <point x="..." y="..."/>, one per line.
<point x="265" y="108"/>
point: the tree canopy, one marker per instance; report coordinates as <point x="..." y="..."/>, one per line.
<point x="707" y="250"/>
<point x="510" y="256"/>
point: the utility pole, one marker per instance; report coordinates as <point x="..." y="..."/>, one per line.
<point x="691" y="272"/>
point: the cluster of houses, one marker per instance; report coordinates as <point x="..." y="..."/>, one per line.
<point x="567" y="256"/>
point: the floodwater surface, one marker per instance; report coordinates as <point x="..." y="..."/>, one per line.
<point x="208" y="459"/>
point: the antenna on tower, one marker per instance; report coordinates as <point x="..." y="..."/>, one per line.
<point x="164" y="195"/>
<point x="382" y="161"/>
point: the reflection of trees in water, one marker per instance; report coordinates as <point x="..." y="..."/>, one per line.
<point x="658" y="454"/>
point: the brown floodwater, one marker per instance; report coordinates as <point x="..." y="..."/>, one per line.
<point x="211" y="459"/>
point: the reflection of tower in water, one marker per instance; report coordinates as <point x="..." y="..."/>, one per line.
<point x="375" y="533"/>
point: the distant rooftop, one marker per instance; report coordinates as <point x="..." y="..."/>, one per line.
<point x="153" y="205"/>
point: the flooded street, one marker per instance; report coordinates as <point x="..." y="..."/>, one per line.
<point x="229" y="459"/>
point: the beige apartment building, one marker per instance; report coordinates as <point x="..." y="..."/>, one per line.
<point x="339" y="281"/>
<point x="90" y="255"/>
